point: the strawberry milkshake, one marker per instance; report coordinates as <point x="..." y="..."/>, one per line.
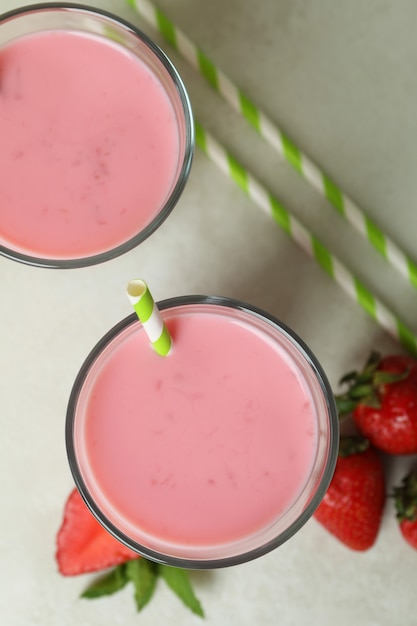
<point x="96" y="137"/>
<point x="213" y="454"/>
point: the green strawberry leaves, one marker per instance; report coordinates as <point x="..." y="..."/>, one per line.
<point x="352" y="445"/>
<point x="364" y="386"/>
<point x="144" y="575"/>
<point x="406" y="498"/>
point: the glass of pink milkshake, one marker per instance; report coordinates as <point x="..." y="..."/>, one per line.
<point x="96" y="135"/>
<point x="213" y="455"/>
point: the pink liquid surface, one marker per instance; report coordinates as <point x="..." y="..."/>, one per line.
<point x="204" y="446"/>
<point x="89" y="145"/>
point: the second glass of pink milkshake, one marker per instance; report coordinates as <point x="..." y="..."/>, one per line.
<point x="96" y="135"/>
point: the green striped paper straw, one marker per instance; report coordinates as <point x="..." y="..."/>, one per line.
<point x="306" y="240"/>
<point x="285" y="148"/>
<point x="148" y="313"/>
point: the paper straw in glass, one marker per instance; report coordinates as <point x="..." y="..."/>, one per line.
<point x="150" y="316"/>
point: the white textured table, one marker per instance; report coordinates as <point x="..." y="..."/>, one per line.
<point x="339" y="78"/>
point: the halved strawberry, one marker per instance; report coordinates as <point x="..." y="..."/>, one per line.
<point x="83" y="545"/>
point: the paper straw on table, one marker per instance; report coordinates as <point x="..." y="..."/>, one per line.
<point x="148" y="313"/>
<point x="278" y="140"/>
<point x="306" y="240"/>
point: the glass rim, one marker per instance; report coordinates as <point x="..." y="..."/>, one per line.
<point x="184" y="166"/>
<point x="309" y="508"/>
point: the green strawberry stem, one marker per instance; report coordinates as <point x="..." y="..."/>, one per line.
<point x="364" y="386"/>
<point x="406" y="498"/>
<point x="349" y="445"/>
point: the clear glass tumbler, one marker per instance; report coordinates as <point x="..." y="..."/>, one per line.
<point x="213" y="455"/>
<point x="50" y="214"/>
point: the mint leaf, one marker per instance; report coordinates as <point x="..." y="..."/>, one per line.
<point x="178" y="580"/>
<point x="106" y="585"/>
<point x="143" y="574"/>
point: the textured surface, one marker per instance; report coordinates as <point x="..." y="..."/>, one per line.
<point x="339" y="78"/>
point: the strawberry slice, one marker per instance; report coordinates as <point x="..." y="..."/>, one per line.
<point x="83" y="545"/>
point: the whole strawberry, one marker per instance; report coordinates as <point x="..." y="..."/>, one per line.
<point x="353" y="505"/>
<point x="383" y="402"/>
<point x="406" y="506"/>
